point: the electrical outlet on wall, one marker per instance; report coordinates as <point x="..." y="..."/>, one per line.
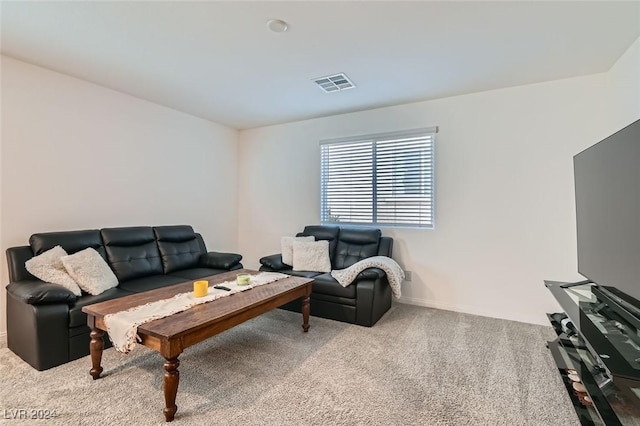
<point x="407" y="275"/>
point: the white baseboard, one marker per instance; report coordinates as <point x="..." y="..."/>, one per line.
<point x="444" y="306"/>
<point x="3" y="339"/>
<point x="511" y="316"/>
<point x="440" y="305"/>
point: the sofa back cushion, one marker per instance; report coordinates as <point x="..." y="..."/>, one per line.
<point x="354" y="245"/>
<point x="322" y="232"/>
<point x="70" y="241"/>
<point x="179" y="246"/>
<point x="132" y="252"/>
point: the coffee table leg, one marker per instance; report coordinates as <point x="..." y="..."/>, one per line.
<point x="95" y="349"/>
<point x="305" y="313"/>
<point x="171" y="379"/>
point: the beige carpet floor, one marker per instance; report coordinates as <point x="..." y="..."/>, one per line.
<point x="417" y="366"/>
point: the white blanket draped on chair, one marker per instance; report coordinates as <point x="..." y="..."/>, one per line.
<point x="394" y="272"/>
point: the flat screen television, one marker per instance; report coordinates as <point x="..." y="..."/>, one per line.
<point x="607" y="191"/>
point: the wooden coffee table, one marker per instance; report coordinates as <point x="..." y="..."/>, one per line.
<point x="171" y="335"/>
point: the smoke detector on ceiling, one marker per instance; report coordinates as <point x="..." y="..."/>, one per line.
<point x="334" y="83"/>
<point x="277" y="25"/>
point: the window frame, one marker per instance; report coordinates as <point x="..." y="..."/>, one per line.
<point x="428" y="132"/>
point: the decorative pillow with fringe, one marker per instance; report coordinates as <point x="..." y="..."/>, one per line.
<point x="90" y="271"/>
<point x="311" y="256"/>
<point x="48" y="267"/>
<point x="287" y="247"/>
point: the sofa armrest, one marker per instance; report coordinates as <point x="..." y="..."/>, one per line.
<point x="274" y="262"/>
<point x="371" y="274"/>
<point x="218" y="260"/>
<point x="36" y="292"/>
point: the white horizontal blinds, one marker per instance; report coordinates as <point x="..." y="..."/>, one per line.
<point x="404" y="181"/>
<point x="382" y="179"/>
<point x="347" y="182"/>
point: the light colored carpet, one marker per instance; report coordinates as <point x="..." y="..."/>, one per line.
<point x="417" y="366"/>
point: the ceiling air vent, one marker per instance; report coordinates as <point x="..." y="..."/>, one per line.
<point x="334" y="83"/>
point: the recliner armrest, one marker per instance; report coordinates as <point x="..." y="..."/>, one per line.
<point x="274" y="262"/>
<point x="371" y="274"/>
<point x="219" y="260"/>
<point x="36" y="292"/>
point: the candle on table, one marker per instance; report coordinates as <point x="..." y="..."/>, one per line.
<point x="200" y="288"/>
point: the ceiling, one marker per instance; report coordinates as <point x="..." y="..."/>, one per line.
<point x="217" y="60"/>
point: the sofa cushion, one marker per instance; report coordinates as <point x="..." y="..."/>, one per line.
<point x="322" y="232"/>
<point x="78" y="318"/>
<point x="132" y="252"/>
<point x="138" y="285"/>
<point x="49" y="268"/>
<point x="354" y="245"/>
<point x="179" y="247"/>
<point x="70" y="241"/>
<point x="326" y="284"/>
<point x="90" y="271"/>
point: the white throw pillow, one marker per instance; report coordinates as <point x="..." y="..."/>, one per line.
<point x="48" y="267"/>
<point x="90" y="271"/>
<point x="287" y="247"/>
<point x="311" y="256"/>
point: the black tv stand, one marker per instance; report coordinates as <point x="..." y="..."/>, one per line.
<point x="577" y="283"/>
<point x="604" y="353"/>
<point x="615" y="299"/>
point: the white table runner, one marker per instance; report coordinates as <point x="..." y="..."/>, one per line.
<point x="123" y="326"/>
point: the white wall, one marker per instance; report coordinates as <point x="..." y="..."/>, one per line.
<point x="3" y="318"/>
<point x="504" y="191"/>
<point x="75" y="155"/>
<point x="624" y="81"/>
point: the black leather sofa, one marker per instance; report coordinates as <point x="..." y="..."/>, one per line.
<point x="364" y="301"/>
<point x="45" y="323"/>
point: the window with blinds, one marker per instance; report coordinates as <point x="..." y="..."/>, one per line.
<point x="385" y="180"/>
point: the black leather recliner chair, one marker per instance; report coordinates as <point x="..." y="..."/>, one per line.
<point x="364" y="301"/>
<point x="45" y="323"/>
